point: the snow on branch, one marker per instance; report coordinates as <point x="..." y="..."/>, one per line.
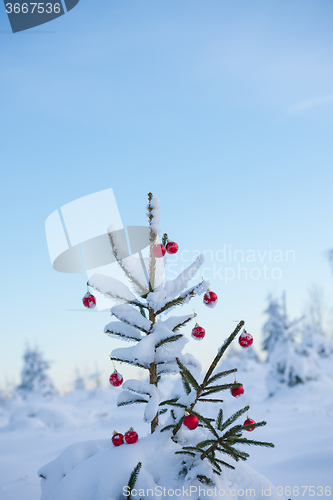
<point x="166" y="363"/>
<point x="150" y="390"/>
<point x="111" y="287"/>
<point x="142" y="354"/>
<point x="176" y="322"/>
<point x="131" y="316"/>
<point x="175" y="287"/>
<point x="163" y="335"/>
<point x="161" y="306"/>
<point x="119" y="329"/>
<point x="128" y="398"/>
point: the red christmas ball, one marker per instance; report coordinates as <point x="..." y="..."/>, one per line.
<point x="210" y="299"/>
<point x="191" y="421"/>
<point x="249" y="421"/>
<point x="237" y="391"/>
<point x="116" y="379"/>
<point x="245" y="339"/>
<point x="117" y="439"/>
<point x="159" y="250"/>
<point x="171" y="247"/>
<point x="198" y="332"/>
<point x="131" y="436"/>
<point x="89" y="301"/>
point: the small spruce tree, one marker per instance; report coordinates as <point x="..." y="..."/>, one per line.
<point x="34" y="377"/>
<point x="290" y="362"/>
<point x="158" y="345"/>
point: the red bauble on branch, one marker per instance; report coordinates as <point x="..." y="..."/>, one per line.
<point x="89" y="301"/>
<point x="117" y="438"/>
<point x="171" y="247"/>
<point x="210" y="299"/>
<point x="131" y="436"/>
<point x="249" y="421"/>
<point x="237" y="391"/>
<point x="116" y="379"/>
<point x="198" y="332"/>
<point x="159" y="250"/>
<point x="245" y="339"/>
<point x="191" y="421"/>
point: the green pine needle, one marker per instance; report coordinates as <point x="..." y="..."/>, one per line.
<point x="183" y="452"/>
<point x="206" y="442"/>
<point x="219" y="375"/>
<point x="255" y="443"/>
<point x="217" y="472"/>
<point x="172" y="338"/>
<point x="218" y="388"/>
<point x="219" y="420"/>
<point x="180" y="325"/>
<point x="221" y="352"/>
<point x="168" y="427"/>
<point x="169" y="401"/>
<point x="225" y="463"/>
<point x="186" y="385"/>
<point x="234" y="417"/>
<point x="207" y="400"/>
<point x="186" y="373"/>
<point x="133" y="401"/>
<point x="206" y="422"/>
<point x="134" y="476"/>
<point x="112" y="333"/>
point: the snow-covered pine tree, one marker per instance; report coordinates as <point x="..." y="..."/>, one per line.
<point x="315" y="340"/>
<point x="159" y="344"/>
<point x="34" y="377"/>
<point x="278" y="327"/>
<point x="290" y="364"/>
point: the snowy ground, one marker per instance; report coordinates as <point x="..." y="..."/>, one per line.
<point x="299" y="424"/>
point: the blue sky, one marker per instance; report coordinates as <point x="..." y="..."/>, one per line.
<point x="222" y="109"/>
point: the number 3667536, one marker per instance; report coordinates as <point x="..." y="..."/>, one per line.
<point x="31" y="8"/>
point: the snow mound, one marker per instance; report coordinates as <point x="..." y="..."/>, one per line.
<point x="97" y="470"/>
<point x="36" y="415"/>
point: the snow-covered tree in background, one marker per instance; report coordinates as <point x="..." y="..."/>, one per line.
<point x="315" y="340"/>
<point x="34" y="377"/>
<point x="278" y="327"/>
<point x="315" y="330"/>
<point x="143" y="320"/>
<point x="290" y="363"/>
<point x="79" y="381"/>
